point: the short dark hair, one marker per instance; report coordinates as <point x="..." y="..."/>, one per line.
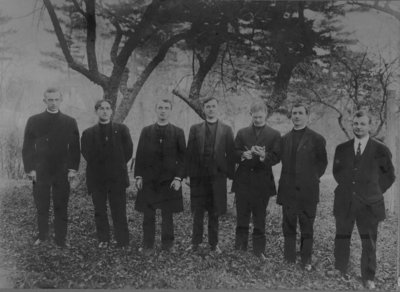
<point x="300" y="104"/>
<point x="258" y="106"/>
<point x="165" y="100"/>
<point x="51" y="90"/>
<point x="208" y="99"/>
<point x="362" y="113"/>
<point x="99" y="102"/>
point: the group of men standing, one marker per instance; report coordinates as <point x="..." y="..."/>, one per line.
<point x="362" y="168"/>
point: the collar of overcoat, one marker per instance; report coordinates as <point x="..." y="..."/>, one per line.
<point x="306" y="136"/>
<point x="168" y="131"/>
<point x="97" y="134"/>
<point x="202" y="136"/>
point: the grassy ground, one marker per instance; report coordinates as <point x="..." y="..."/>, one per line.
<point x="83" y="265"/>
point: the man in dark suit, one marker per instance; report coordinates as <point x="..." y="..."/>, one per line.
<point x="159" y="170"/>
<point x="363" y="169"/>
<point x="256" y="150"/>
<point x="107" y="148"/>
<point x="51" y="157"/>
<point x="209" y="162"/>
<point x="304" y="161"/>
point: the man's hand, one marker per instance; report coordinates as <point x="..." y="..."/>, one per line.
<point x="247" y="155"/>
<point x="175" y="184"/>
<point x="32" y="175"/>
<point x="71" y="174"/>
<point x="259" y="151"/>
<point x="139" y="183"/>
<point x="187" y="181"/>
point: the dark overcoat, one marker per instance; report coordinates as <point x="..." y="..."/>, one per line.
<point x="254" y="176"/>
<point x="158" y="174"/>
<point x="52" y="147"/>
<point x="223" y="166"/>
<point x="364" y="184"/>
<point x="311" y="162"/>
<point x="122" y="149"/>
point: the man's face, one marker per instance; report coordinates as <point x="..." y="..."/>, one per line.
<point x="104" y="112"/>
<point x="299" y="116"/>
<point x="361" y="126"/>
<point x="53" y="100"/>
<point x="163" y="111"/>
<point x="258" y="118"/>
<point x="211" y="109"/>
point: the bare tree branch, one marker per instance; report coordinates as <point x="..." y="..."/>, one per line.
<point x="77" y="66"/>
<point x="189" y="102"/>
<point x="91" y="36"/>
<point x="376" y="6"/>
<point x="79" y="8"/>
<point x="129" y="95"/>
<point x="340" y="114"/>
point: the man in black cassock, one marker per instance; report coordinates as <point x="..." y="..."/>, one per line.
<point x="159" y="170"/>
<point x="51" y="158"/>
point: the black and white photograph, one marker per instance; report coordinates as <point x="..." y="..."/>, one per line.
<point x="200" y="144"/>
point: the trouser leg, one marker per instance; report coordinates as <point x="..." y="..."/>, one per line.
<point x="242" y="222"/>
<point x="149" y="228"/>
<point x="41" y="195"/>
<point x="367" y="226"/>
<point x="259" y="210"/>
<point x="99" y="198"/>
<point x="167" y="229"/>
<point x="344" y="229"/>
<point x="306" y="221"/>
<point x="213" y="226"/>
<point x="198" y="228"/>
<point x="117" y="200"/>
<point x="60" y="191"/>
<point x="289" y="225"/>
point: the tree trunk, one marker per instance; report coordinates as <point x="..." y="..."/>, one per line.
<point x="392" y="141"/>
<point x="279" y="93"/>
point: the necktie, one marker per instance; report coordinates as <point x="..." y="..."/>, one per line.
<point x="358" y="153"/>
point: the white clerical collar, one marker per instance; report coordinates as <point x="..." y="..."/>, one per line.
<point x="52" y="112"/>
<point x="162" y="124"/>
<point x="104" y="123"/>
<point x="212" y="121"/>
<point x="301" y="128"/>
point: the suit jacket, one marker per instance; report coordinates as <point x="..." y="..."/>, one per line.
<point x="254" y="175"/>
<point x="122" y="148"/>
<point x="311" y="162"/>
<point x="158" y="174"/>
<point x="223" y="164"/>
<point x="364" y="184"/>
<point x="51" y="147"/>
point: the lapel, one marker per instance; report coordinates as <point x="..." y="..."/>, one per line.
<point x="202" y="135"/>
<point x="113" y="137"/>
<point x="218" y="136"/>
<point x="289" y="144"/>
<point x="251" y="138"/>
<point x="304" y="138"/>
<point x="96" y="135"/>
<point x="367" y="151"/>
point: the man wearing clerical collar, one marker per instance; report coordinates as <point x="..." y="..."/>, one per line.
<point x="363" y="169"/>
<point x="209" y="162"/>
<point x="256" y="151"/>
<point x="159" y="170"/>
<point x="304" y="161"/>
<point x="51" y="158"/>
<point x="107" y="147"/>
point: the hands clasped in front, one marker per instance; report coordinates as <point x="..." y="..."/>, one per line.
<point x="255" y="151"/>
<point x="175" y="184"/>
